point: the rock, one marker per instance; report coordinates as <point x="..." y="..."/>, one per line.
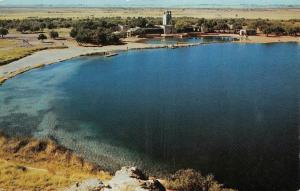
<point x="126" y="179"/>
<point x="132" y="179"/>
<point x="87" y="185"/>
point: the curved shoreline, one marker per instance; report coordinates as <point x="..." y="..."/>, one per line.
<point x="41" y="58"/>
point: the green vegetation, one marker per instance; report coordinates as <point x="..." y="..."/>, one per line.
<point x="3" y="32"/>
<point x="34" y="25"/>
<point x="54" y="34"/>
<point x="276" y="27"/>
<point x="101" y="31"/>
<point x="95" y="32"/>
<point x="191" y="180"/>
<point x="42" y="37"/>
<point x="183" y="24"/>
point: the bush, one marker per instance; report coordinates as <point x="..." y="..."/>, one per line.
<point x="23" y="27"/>
<point x="73" y="33"/>
<point x="42" y="37"/>
<point x="54" y="34"/>
<point x="192" y="180"/>
<point x="3" y="32"/>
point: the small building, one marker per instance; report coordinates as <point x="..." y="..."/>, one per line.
<point x="168" y="29"/>
<point x="133" y="31"/>
<point x="204" y="29"/>
<point x="247" y="32"/>
<point x="153" y="30"/>
<point x="144" y="31"/>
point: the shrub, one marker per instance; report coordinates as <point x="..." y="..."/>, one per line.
<point x="192" y="180"/>
<point x="42" y="37"/>
<point x="54" y="34"/>
<point x="73" y="33"/>
<point x="3" y="32"/>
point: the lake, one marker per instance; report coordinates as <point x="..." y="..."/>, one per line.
<point x="227" y="109"/>
<point x="190" y="40"/>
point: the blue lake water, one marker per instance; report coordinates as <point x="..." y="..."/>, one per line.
<point x="227" y="109"/>
<point x="190" y="40"/>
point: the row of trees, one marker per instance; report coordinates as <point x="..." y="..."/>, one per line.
<point x="52" y="34"/>
<point x="181" y="24"/>
<point x="34" y="24"/>
<point x="99" y="32"/>
<point x="278" y="28"/>
<point x="289" y="27"/>
<point x="210" y="25"/>
<point x="39" y="24"/>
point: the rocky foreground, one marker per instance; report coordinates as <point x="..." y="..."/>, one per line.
<point x="30" y="164"/>
<point x="42" y="165"/>
<point x="126" y="179"/>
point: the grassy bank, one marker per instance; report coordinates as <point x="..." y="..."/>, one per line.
<point x="29" y="164"/>
<point x="10" y="50"/>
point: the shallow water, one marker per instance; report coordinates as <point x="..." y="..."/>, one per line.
<point x="227" y="109"/>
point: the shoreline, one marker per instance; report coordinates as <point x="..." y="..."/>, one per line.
<point x="30" y="62"/>
<point x="41" y="58"/>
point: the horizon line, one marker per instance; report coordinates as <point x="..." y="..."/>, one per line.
<point x="206" y="6"/>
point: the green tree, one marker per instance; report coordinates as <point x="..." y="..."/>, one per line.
<point x="3" y="32"/>
<point x="293" y="30"/>
<point x="221" y="26"/>
<point x="278" y="30"/>
<point x="73" y="33"/>
<point x="22" y="27"/>
<point x="267" y="30"/>
<point x="43" y="26"/>
<point x="54" y="34"/>
<point x="182" y="25"/>
<point x="42" y="37"/>
<point x="35" y="27"/>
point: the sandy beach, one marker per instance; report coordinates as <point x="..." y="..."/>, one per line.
<point x="261" y="38"/>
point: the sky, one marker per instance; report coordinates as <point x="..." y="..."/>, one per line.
<point x="154" y="3"/>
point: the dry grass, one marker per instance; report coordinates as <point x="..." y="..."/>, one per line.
<point x="14" y="175"/>
<point x="11" y="50"/>
<point x="21" y="13"/>
<point x="31" y="165"/>
<point x="191" y="180"/>
<point x="63" y="32"/>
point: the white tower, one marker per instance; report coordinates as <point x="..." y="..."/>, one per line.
<point x="167" y="18"/>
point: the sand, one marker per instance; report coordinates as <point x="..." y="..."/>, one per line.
<point x="261" y="38"/>
<point x="264" y="13"/>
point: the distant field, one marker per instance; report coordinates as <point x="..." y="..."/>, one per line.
<point x="20" y="13"/>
